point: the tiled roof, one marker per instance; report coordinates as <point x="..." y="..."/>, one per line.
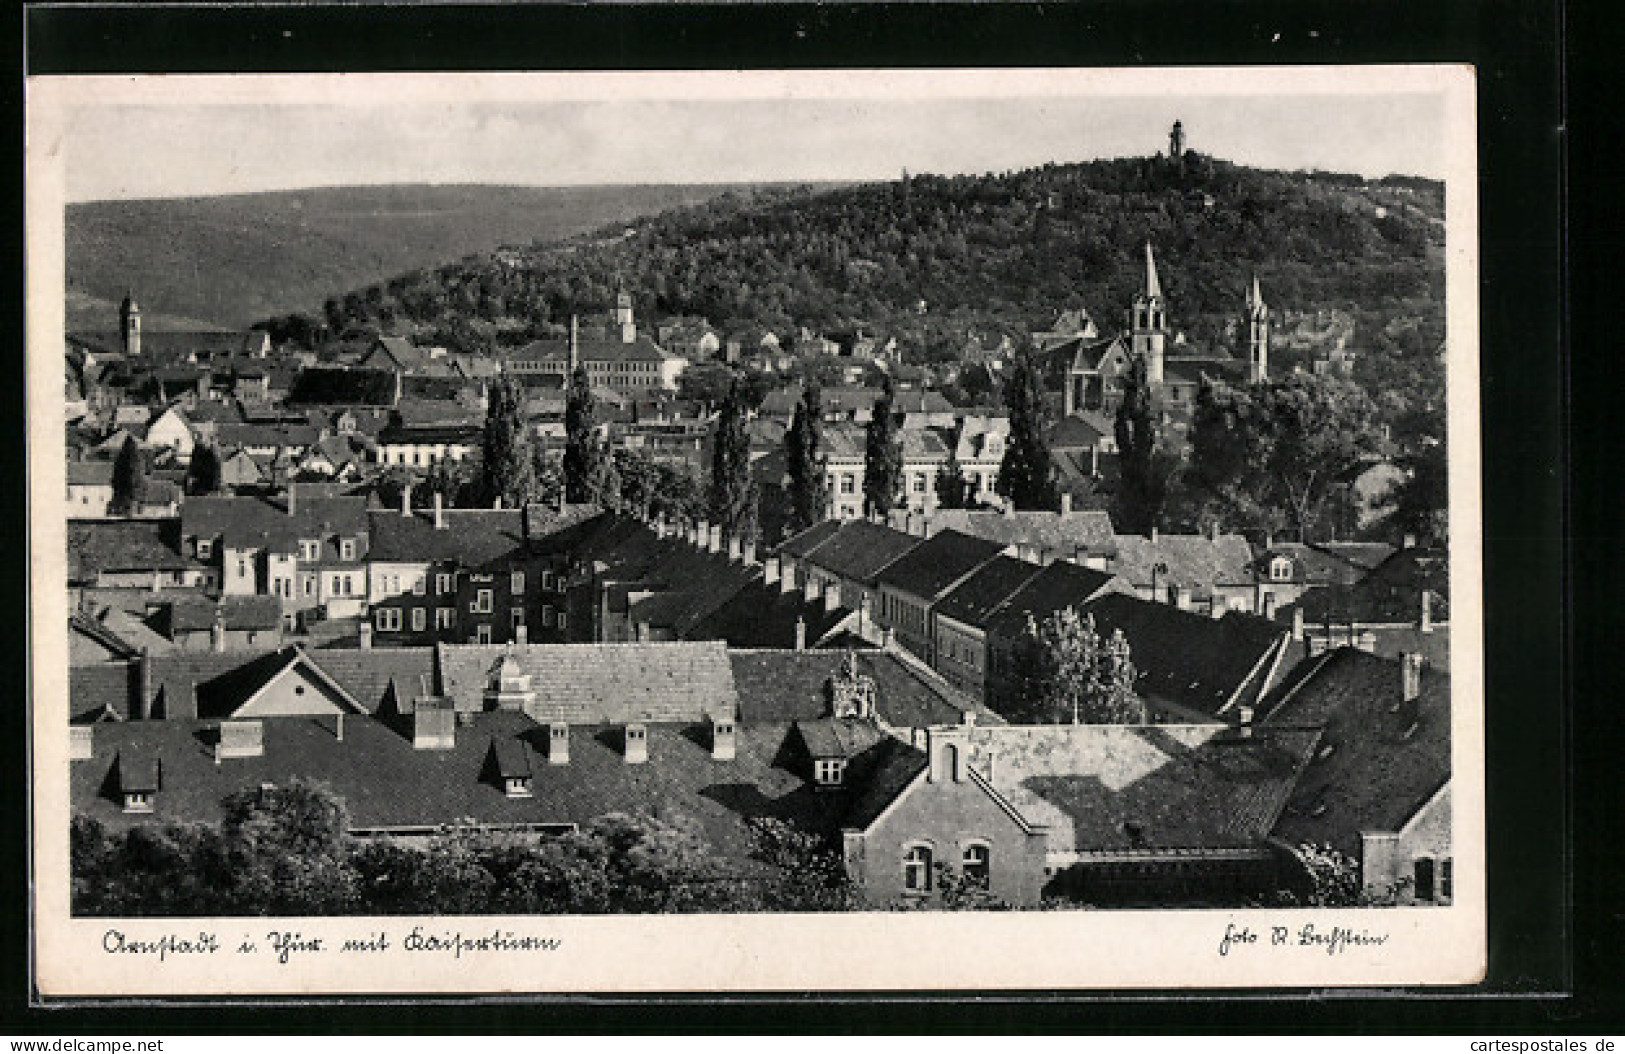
<point x="808" y="541"/>
<point x="833" y="737"/>
<point x="858" y="550"/>
<point x="471" y="537"/>
<point x="234" y="612"/>
<point x="90" y="473"/>
<point x="1060" y="585"/>
<point x="1365" y="555"/>
<point x="230" y="436"/>
<point x="1190" y="659"/>
<point x="1386" y="759"/>
<point x="785" y="686"/>
<point x="338" y="386"/>
<point x="601" y="683"/>
<point x="930" y="568"/>
<point x="375" y="760"/>
<point x="889" y="768"/>
<point x="1081" y="431"/>
<point x="122" y="545"/>
<point x="99" y="687"/>
<point x="1192" y="561"/>
<point x="1061" y="534"/>
<point x="641" y="349"/>
<point x="974" y="599"/>
<point x="1143" y="787"/>
<point x="256" y="522"/>
<point x="763" y="616"/>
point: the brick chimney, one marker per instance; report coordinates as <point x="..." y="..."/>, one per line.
<point x="1244" y="716"/>
<point x="143" y="703"/>
<point x="770" y="571"/>
<point x="240" y="739"/>
<point x="801" y="633"/>
<point x="736" y="548"/>
<point x="406" y="499"/>
<point x="637" y="744"/>
<point x="434" y="727"/>
<point x="787" y="577"/>
<point x="1213" y="531"/>
<point x="747" y="553"/>
<point x="521" y="634"/>
<point x="365" y="631"/>
<point x="439" y="511"/>
<point x="946" y="751"/>
<point x="1427" y="611"/>
<point x="558" y="743"/>
<point x="1066" y="503"/>
<point x="723" y="738"/>
<point x="811" y="591"/>
<point x="832" y="597"/>
<point x="81" y="742"/>
<point x="293" y="497"/>
<point x="1297" y="623"/>
<point x="217" y="632"/>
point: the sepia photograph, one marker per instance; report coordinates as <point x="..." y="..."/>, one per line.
<point x="501" y="519"/>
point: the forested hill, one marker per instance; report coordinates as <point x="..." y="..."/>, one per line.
<point x="228" y="260"/>
<point x="931" y="259"/>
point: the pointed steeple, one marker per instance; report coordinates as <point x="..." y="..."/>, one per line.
<point x="1255" y="297"/>
<point x="1153" y="287"/>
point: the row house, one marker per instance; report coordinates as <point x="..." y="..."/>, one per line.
<point x="1211" y="572"/>
<point x="424" y="446"/>
<point x="977" y="444"/>
<point x="1083" y="536"/>
<point x="909" y="588"/>
<point x="311" y="552"/>
<point x="844" y="558"/>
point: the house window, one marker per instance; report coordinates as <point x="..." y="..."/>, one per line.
<point x="562" y="620"/>
<point x="547" y="580"/>
<point x="420" y="586"/>
<point x="919" y="482"/>
<point x="309" y="550"/>
<point x="389" y="619"/>
<point x="976" y="863"/>
<point x="136" y="801"/>
<point x="310" y="586"/>
<point x="419" y="618"/>
<point x="917" y="869"/>
<point x="517" y="586"/>
<point x="1280" y="570"/>
<point x="848" y="483"/>
<point x="242" y="568"/>
<point x="518" y="615"/>
<point x="828" y="772"/>
<point x="482" y="602"/>
<point x="547" y="615"/>
<point x="205" y="548"/>
<point x="482" y="633"/>
<point x="442" y="583"/>
<point x="347" y="549"/>
<point x="443" y="618"/>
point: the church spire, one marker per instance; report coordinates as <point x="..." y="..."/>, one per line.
<point x="1148" y="321"/>
<point x="1258" y="334"/>
<point x="1153" y="288"/>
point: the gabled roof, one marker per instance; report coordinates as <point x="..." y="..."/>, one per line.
<point x="764" y="616"/>
<point x="1203" y="664"/>
<point x="340" y="386"/>
<point x="1191" y="561"/>
<point x="932" y="567"/>
<point x="834" y="737"/>
<point x="891" y="767"/>
<point x="1386" y="758"/>
<point x="806" y="542"/>
<point x="787" y="686"/>
<point x="90" y="473"/>
<point x="858" y="550"/>
<point x="95" y="546"/>
<point x="1061" y="534"/>
<point x="1126" y="788"/>
<point x="641" y="349"/>
<point x="974" y="599"/>
<point x="471" y="538"/>
<point x="193" y="613"/>
<point x="1060" y="585"/>
<point x="601" y="683"/>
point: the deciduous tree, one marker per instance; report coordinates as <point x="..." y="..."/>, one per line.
<point x="1072" y="675"/>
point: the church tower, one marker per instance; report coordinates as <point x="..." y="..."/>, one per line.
<point x="1176" y="141"/>
<point x="1148" y="321"/>
<point x="129" y="319"/>
<point x="1258" y="335"/>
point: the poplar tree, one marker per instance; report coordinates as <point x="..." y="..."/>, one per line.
<point x="508" y="459"/>
<point x="582" y="455"/>
<point x="1143" y="486"/>
<point x="804" y="456"/>
<point x="1026" y="475"/>
<point x="733" y="491"/>
<point x="883" y="456"/>
<point x="203" y="474"/>
<point x="129" y="477"/>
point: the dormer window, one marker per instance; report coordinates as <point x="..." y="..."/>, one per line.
<point x="205" y="548"/>
<point x="1280" y="569"/>
<point x="309" y="549"/>
<point x="347" y="548"/>
<point x="137" y="801"/>
<point x="829" y="772"/>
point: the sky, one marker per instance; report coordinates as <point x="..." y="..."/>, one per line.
<point x="175" y="146"/>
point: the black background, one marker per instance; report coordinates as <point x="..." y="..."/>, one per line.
<point x="1549" y="958"/>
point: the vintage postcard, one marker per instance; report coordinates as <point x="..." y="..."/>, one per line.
<point x="849" y="530"/>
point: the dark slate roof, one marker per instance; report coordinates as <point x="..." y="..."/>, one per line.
<point x="1190" y="659"/>
<point x="890" y="768"/>
<point x="90" y="473"/>
<point x="763" y="616"/>
<point x="641" y="349"/>
<point x="807" y="542"/>
<point x="933" y="566"/>
<point x="601" y="683"/>
<point x="122" y="545"/>
<point x="1366" y="555"/>
<point x="974" y="599"/>
<point x="258" y="522"/>
<point x="1386" y="760"/>
<point x="786" y="686"/>
<point x="832" y="737"/>
<point x="229" y="436"/>
<point x="1390" y="593"/>
<point x="1060" y="585"/>
<point x="471" y="538"/>
<point x="859" y="550"/>
<point x="1144" y="787"/>
<point x="375" y="760"/>
<point x="337" y="386"/>
<point x="98" y="688"/>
